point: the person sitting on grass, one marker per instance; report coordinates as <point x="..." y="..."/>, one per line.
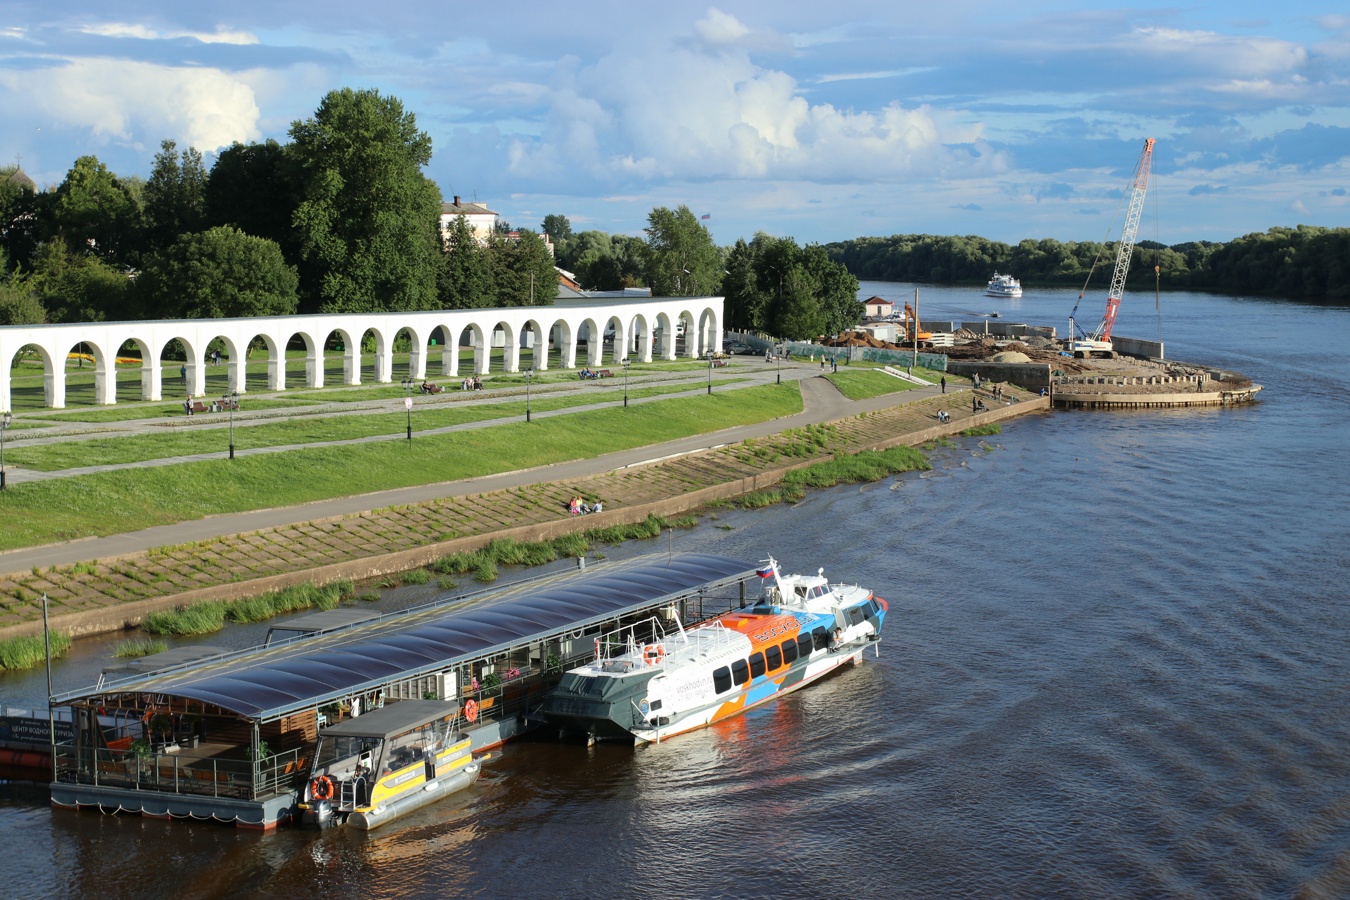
<point x="598" y="507"/>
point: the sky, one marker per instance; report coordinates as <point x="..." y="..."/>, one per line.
<point x="819" y="121"/>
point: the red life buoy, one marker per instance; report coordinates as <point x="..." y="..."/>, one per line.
<point x="321" y="788"/>
<point x="471" y="710"/>
<point x="652" y="654"/>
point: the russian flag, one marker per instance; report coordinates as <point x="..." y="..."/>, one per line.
<point x="705" y="217"/>
<point x="765" y="572"/>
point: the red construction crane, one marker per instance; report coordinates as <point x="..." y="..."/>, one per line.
<point x="1100" y="340"/>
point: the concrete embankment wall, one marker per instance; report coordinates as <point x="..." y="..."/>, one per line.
<point x="1137" y="347"/>
<point x="129" y="614"/>
<point x="1029" y="376"/>
<point x="1009" y="329"/>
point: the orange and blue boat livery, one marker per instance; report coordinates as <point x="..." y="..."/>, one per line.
<point x="676" y="679"/>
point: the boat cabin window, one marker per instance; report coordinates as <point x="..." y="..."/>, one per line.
<point x="756" y="665"/>
<point x="722" y="680"/>
<point x="855" y="614"/>
<point x="821" y="637"/>
<point x="801" y="592"/>
<point x="804" y="644"/>
<point x="413" y="745"/>
<point x="773" y="657"/>
<point x="789" y="651"/>
<point x="656" y="704"/>
<point x="740" y="671"/>
<point x="334" y="751"/>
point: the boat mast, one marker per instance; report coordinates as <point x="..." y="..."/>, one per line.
<point x="1127" y="238"/>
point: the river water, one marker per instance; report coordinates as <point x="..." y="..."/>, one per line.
<point x="1117" y="663"/>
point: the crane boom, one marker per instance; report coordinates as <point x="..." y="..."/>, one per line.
<point x="1127" y="238"/>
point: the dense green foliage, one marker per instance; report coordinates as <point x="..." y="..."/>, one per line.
<point x="773" y="285"/>
<point x="680" y="257"/>
<point x="367" y="223"/>
<point x="1306" y="262"/>
<point x="220" y="273"/>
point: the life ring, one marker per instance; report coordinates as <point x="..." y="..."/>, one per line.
<point x="471" y="710"/>
<point x="652" y="654"/>
<point x="321" y="788"/>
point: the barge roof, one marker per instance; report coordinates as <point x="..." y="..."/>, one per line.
<point x="271" y="682"/>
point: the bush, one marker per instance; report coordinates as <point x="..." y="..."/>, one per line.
<point x="416" y="576"/>
<point x="138" y="647"/>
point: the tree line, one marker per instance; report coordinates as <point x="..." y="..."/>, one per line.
<point x="340" y="219"/>
<point x="1305" y="262"/>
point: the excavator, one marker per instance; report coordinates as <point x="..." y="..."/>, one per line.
<point x="913" y="330"/>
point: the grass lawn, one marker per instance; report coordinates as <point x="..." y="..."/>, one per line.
<point x="859" y="384"/>
<point x="131" y="499"/>
<point x="306" y="430"/>
<point x="121" y="413"/>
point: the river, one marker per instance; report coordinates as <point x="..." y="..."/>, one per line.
<point x="1115" y="665"/>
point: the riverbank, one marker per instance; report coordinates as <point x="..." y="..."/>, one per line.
<point x="98" y="593"/>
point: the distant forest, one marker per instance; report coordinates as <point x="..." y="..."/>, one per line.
<point x="1306" y="262"/>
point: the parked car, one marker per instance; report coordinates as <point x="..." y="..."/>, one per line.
<point x="736" y="347"/>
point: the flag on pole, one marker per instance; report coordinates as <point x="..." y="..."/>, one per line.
<point x="706" y="216"/>
<point x="764" y="571"/>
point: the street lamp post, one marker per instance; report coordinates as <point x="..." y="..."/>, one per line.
<point x="710" y="367"/>
<point x="779" y="357"/>
<point x="231" y="400"/>
<point x="626" y="363"/>
<point x="408" y="385"/>
<point x="529" y="376"/>
<point x="4" y="426"/>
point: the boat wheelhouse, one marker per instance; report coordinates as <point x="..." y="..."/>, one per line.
<point x="379" y="766"/>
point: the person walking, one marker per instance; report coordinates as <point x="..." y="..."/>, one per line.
<point x="944" y="384"/>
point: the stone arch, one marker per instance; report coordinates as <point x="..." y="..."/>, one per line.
<point x="593" y="335"/>
<point x="564" y="338"/>
<point x="49" y="380"/>
<point x="615" y="333"/>
<point x="639" y="340"/>
<point x="536" y="336"/>
<point x="478" y="341"/>
<point x="664" y="334"/>
<point x="275" y="379"/>
<point x="510" y="342"/>
<point x="444" y="335"/>
<point x="382" y="356"/>
<point x="314" y="355"/>
<point x="213" y="384"/>
<point x="151" y="377"/>
<point x="416" y="367"/>
<point x="686" y="334"/>
<point x="190" y="380"/>
<point x="709" y="332"/>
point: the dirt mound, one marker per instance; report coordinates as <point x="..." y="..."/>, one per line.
<point x="1010" y="356"/>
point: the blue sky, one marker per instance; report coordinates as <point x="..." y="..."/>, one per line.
<point x="819" y="121"/>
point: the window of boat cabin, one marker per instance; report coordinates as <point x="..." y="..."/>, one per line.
<point x="790" y="651"/>
<point x="756" y="665"/>
<point x="855" y="614"/>
<point x="334" y="750"/>
<point x="722" y="680"/>
<point x="821" y="637"/>
<point x="804" y="644"/>
<point x="740" y="671"/>
<point x="773" y="657"/>
<point x="656" y="704"/>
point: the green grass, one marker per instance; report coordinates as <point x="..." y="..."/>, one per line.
<point x="982" y="430"/>
<point x="131" y="499"/>
<point x="138" y="647"/>
<point x="860" y="384"/>
<point x="30" y="650"/>
<point x="307" y="430"/>
<point x="857" y="468"/>
<point x="126" y="413"/>
<point x="208" y="616"/>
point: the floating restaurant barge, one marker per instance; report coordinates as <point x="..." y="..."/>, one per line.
<point x="233" y="736"/>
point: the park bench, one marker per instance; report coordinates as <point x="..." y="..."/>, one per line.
<point x="604" y="373"/>
<point x="719" y="363"/>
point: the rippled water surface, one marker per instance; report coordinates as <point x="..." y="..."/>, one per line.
<point x="1117" y="664"/>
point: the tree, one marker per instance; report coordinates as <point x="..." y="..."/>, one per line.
<point x="254" y="188"/>
<point x="465" y="277"/>
<point x="680" y="258"/>
<point x="174" y="197"/>
<point x="368" y="219"/>
<point x="95" y="212"/>
<point x="745" y="299"/>
<point x="522" y="270"/>
<point x="18" y="218"/>
<point x="79" y="287"/>
<point x="19" y="304"/>
<point x="219" y="273"/>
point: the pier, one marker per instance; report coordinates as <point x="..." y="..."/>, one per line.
<point x="229" y="737"/>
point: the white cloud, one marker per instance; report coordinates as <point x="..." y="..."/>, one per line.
<point x="145" y="33"/>
<point x="709" y="112"/>
<point x="123" y="101"/>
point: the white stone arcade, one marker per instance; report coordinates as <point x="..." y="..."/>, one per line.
<point x="637" y="327"/>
